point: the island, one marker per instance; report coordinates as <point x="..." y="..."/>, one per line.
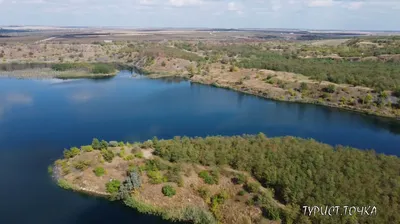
<point x="237" y="179"/>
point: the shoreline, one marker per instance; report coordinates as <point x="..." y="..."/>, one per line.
<point x="249" y="91"/>
<point x="46" y="73"/>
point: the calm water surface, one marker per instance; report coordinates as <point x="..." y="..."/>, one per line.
<point x="39" y="118"/>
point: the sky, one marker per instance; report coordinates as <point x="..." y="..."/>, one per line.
<point x="301" y="14"/>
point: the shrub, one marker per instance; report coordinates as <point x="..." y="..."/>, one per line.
<point x="103" y="144"/>
<point x="81" y="165"/>
<point x="113" y="144"/>
<point x="303" y="86"/>
<point x="64" y="184"/>
<point x="108" y="155"/>
<point x="209" y="179"/>
<point x="204" y="193"/>
<point x="74" y="151"/>
<point x="139" y="155"/>
<point x="112" y="187"/>
<point x="329" y="89"/>
<point x="96" y="144"/>
<point x="87" y="148"/>
<point x="50" y="169"/>
<point x="99" y="171"/>
<point x="241" y="192"/>
<point x="252" y="187"/>
<point x="121" y="144"/>
<point x="396" y="92"/>
<point x="168" y="190"/>
<point x="233" y="68"/>
<point x="163" y="64"/>
<point x="102" y="69"/>
<point x="239" y="178"/>
<point x="155" y="177"/>
<point x="129" y="158"/>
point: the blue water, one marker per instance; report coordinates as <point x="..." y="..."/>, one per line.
<point x="39" y="118"/>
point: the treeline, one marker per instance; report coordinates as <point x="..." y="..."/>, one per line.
<point x="377" y="75"/>
<point x="301" y="172"/>
<point x="96" y="68"/>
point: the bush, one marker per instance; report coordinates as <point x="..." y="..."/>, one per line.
<point x="129" y="157"/>
<point x="74" y="151"/>
<point x="102" y="69"/>
<point x="252" y="187"/>
<point x="113" y="144"/>
<point x="156" y="177"/>
<point x="87" y="148"/>
<point x="329" y="89"/>
<point x="204" y="193"/>
<point x="168" y="190"/>
<point x="99" y="171"/>
<point x="303" y="86"/>
<point x="108" y="155"/>
<point x="112" y="187"/>
<point x="103" y="144"/>
<point x="209" y="179"/>
<point x="96" y="144"/>
<point x="139" y="155"/>
<point x="241" y="192"/>
<point x="163" y="64"/>
<point x="82" y="165"/>
<point x="239" y="178"/>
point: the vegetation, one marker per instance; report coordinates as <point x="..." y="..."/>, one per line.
<point x="74" y="151"/>
<point x="300" y="172"/>
<point x="97" y="68"/>
<point x="108" y="155"/>
<point x="99" y="171"/>
<point x="112" y="187"/>
<point x="168" y="190"/>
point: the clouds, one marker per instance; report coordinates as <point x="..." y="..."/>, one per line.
<point x="329" y="14"/>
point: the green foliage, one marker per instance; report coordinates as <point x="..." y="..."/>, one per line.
<point x="204" y="193"/>
<point x="173" y="175"/>
<point x="103" y="144"/>
<point x="239" y="178"/>
<point x="64" y="184"/>
<point x="74" y="151"/>
<point x="112" y="187"/>
<point x="108" y="155"/>
<point x="81" y="165"/>
<point x="156" y="164"/>
<point x="155" y="177"/>
<point x="168" y="190"/>
<point x="87" y="148"/>
<point x="300" y="171"/>
<point x="208" y="179"/>
<point x="329" y="89"/>
<point x="113" y="144"/>
<point x="139" y="155"/>
<point x="271" y="212"/>
<point x="99" y="171"/>
<point x="121" y="144"/>
<point x="252" y="187"/>
<point x="96" y="144"/>
<point x="241" y="192"/>
<point x="50" y="169"/>
<point x="368" y="99"/>
<point x="102" y="69"/>
<point x="303" y="87"/>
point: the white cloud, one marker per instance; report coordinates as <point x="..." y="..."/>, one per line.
<point x="354" y="5"/>
<point x="320" y="3"/>
<point x="180" y="3"/>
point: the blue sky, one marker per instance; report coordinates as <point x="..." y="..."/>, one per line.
<point x="313" y="14"/>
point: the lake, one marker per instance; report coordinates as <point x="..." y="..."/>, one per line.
<point x="39" y="118"/>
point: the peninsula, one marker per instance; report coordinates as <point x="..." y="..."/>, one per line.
<point x="238" y="179"/>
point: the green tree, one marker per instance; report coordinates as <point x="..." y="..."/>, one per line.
<point x="108" y="155"/>
<point x="96" y="144"/>
<point x="99" y="171"/>
<point x="168" y="190"/>
<point x="112" y="187"/>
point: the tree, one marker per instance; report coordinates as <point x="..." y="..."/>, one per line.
<point x="252" y="187"/>
<point x="168" y="190"/>
<point x="112" y="187"/>
<point x="330" y="88"/>
<point x="96" y="144"/>
<point x="108" y="155"/>
<point x="103" y="144"/>
<point x="99" y="171"/>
